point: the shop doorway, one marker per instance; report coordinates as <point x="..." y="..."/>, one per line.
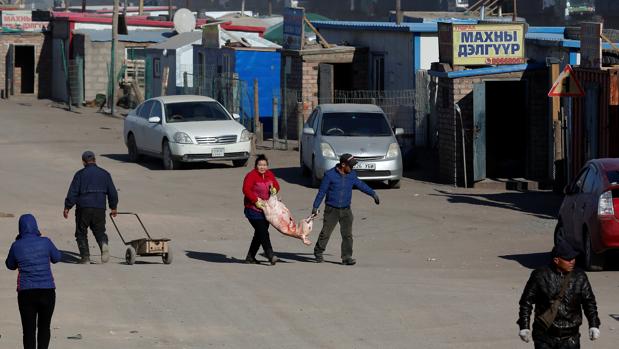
<point x="500" y="129"/>
<point x="24" y="70"/>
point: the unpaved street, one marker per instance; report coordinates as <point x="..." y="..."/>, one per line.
<point x="437" y="267"/>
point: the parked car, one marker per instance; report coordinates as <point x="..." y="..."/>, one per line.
<point x="358" y="129"/>
<point x="185" y="129"/>
<point x="589" y="214"/>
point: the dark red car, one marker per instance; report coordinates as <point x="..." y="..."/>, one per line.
<point x="589" y="214"/>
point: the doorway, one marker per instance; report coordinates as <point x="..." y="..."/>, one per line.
<point x="24" y="70"/>
<point x="506" y="129"/>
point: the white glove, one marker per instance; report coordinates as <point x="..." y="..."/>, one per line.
<point x="594" y="333"/>
<point x="525" y="335"/>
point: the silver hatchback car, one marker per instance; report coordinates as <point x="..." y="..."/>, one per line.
<point x="358" y="129"/>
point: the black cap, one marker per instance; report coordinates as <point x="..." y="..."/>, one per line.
<point x="88" y="156"/>
<point x="564" y="250"/>
<point x="348" y="159"/>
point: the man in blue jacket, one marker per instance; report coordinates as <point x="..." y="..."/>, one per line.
<point x="88" y="192"/>
<point x="337" y="186"/>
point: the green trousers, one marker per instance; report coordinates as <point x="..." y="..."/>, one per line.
<point x="333" y="216"/>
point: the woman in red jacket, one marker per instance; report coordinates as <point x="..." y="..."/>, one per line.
<point x="258" y="185"/>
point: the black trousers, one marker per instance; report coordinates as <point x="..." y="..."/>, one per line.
<point x="261" y="238"/>
<point x="93" y="218"/>
<point x="550" y="342"/>
<point x="36" y="308"/>
<point x="333" y="216"/>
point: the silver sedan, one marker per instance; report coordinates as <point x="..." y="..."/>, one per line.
<point x="358" y="129"/>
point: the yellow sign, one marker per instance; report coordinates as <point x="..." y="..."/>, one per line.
<point x="488" y="44"/>
<point x="566" y="85"/>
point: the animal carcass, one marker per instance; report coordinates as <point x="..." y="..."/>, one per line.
<point x="279" y="216"/>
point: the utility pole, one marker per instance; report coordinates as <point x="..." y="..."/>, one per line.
<point x="242" y="8"/>
<point x="270" y="8"/>
<point x="141" y="7"/>
<point x="83" y="6"/>
<point x="398" y="12"/>
<point x="113" y="58"/>
<point x="170" y="14"/>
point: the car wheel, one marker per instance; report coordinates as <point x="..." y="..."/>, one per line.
<point x="239" y="163"/>
<point x="592" y="261"/>
<point x="559" y="233"/>
<point x="132" y="149"/>
<point x="130" y="255"/>
<point x="168" y="162"/>
<point x="315" y="179"/>
<point x="395" y="184"/>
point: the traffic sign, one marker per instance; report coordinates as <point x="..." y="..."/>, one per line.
<point x="566" y="85"/>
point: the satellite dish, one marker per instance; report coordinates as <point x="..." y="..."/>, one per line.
<point x="184" y="21"/>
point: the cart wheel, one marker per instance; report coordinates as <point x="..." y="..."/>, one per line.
<point x="167" y="257"/>
<point x="130" y="255"/>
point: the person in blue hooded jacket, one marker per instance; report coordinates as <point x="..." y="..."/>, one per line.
<point x="337" y="186"/>
<point x="31" y="255"/>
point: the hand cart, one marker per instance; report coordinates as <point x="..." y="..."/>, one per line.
<point x="144" y="247"/>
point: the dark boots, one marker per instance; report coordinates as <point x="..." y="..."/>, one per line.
<point x="84" y="252"/>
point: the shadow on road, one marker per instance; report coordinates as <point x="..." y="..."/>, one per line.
<point x="154" y="164"/>
<point x="530" y="260"/>
<point x="543" y="205"/>
<point x="212" y="257"/>
<point x="69" y="257"/>
<point x="299" y="257"/>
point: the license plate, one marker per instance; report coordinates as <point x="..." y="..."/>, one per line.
<point x="368" y="166"/>
<point x="218" y="152"/>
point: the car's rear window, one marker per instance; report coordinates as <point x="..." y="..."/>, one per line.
<point x="613" y="177"/>
<point x="355" y="125"/>
<point x="194" y="111"/>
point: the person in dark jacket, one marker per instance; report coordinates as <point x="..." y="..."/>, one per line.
<point x="88" y="192"/>
<point x="36" y="291"/>
<point x="543" y="287"/>
<point x="258" y="185"/>
<point x="337" y="186"/>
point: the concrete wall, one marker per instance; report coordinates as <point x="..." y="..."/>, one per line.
<point x="397" y="47"/>
<point x="42" y="62"/>
<point x="97" y="57"/>
<point x="461" y="91"/>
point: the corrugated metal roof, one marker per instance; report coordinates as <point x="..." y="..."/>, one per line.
<point x="105" y="35"/>
<point x="180" y="40"/>
<point x="379" y="26"/>
<point x="558" y="39"/>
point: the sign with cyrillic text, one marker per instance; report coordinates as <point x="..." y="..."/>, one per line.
<point x="21" y="20"/>
<point x="482" y="44"/>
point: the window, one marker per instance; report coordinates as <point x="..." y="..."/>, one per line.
<point x="145" y="109"/>
<point x="195" y="111"/>
<point x="156" y="110"/>
<point x="590" y="181"/>
<point x="310" y="120"/>
<point x="613" y="177"/>
<point x="578" y="184"/>
<point x="135" y="53"/>
<point x="355" y="125"/>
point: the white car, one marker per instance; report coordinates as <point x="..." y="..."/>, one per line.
<point x="185" y="129"/>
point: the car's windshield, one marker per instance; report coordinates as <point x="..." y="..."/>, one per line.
<point x="194" y="111"/>
<point x="355" y="124"/>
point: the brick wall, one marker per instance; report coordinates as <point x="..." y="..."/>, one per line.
<point x="42" y="59"/>
<point x="460" y="91"/>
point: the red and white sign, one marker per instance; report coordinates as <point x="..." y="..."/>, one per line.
<point x="566" y="85"/>
<point x="22" y="20"/>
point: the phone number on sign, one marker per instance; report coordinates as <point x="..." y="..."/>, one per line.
<point x="505" y="60"/>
